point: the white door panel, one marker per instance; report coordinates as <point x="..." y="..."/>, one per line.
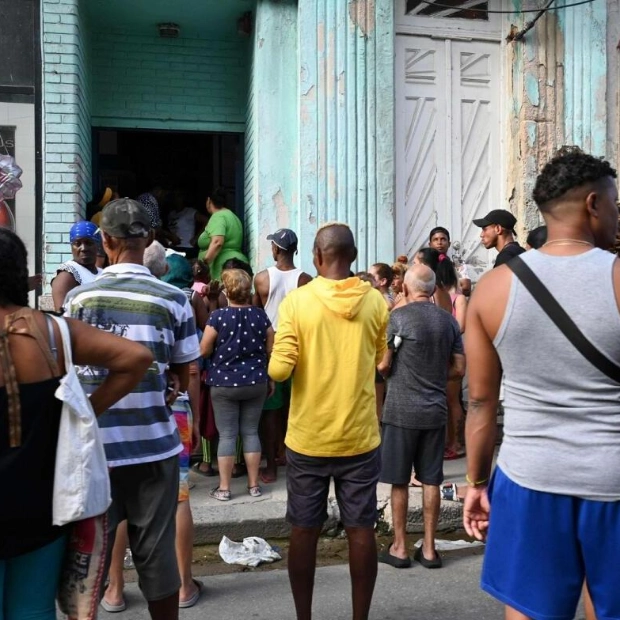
<point x="447" y="141"/>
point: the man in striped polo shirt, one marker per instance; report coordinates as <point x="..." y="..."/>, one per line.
<point x="140" y="436"/>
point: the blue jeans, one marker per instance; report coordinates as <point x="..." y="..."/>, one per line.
<point x="29" y="582"/>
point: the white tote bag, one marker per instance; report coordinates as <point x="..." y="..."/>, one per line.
<point x="81" y="478"/>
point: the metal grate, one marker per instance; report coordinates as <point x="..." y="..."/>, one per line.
<point x="461" y="9"/>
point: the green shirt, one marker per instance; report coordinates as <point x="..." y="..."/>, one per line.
<point x="223" y="223"/>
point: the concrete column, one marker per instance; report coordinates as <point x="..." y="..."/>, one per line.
<point x="346" y="122"/>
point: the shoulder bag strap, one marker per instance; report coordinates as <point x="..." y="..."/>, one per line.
<point x="65" y="334"/>
<point x="561" y="319"/>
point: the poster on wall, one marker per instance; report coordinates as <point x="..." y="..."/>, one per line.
<point x="7" y="147"/>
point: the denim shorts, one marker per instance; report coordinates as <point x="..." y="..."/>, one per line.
<point x="355" y="482"/>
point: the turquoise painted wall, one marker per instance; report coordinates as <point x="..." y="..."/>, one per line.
<point x="67" y="100"/>
<point x="149" y="82"/>
<point x="347" y="121"/>
<point x="272" y="167"/>
<point x="585" y="76"/>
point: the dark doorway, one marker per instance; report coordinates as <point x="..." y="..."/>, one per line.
<point x="135" y="161"/>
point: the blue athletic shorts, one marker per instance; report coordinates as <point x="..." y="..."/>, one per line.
<point x="541" y="547"/>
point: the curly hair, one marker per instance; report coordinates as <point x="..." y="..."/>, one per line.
<point x="569" y="168"/>
<point x="238" y="285"/>
<point x="13" y="270"/>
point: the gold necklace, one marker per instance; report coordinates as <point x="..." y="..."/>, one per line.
<point x="568" y="242"/>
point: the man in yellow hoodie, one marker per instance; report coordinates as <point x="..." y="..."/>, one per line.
<point x="331" y="336"/>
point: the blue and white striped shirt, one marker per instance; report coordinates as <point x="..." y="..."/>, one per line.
<point x="128" y="301"/>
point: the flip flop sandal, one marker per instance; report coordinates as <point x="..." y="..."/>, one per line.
<point x="113" y="609"/>
<point x="452" y="455"/>
<point x="190" y="602"/>
<point x="207" y="474"/>
<point x="220" y="494"/>
<point x="385" y="557"/>
<point x="436" y="562"/>
<point x="255" y="491"/>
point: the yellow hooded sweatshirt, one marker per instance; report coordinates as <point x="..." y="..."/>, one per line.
<point x="331" y="336"/>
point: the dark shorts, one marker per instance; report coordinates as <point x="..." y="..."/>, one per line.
<point x="404" y="448"/>
<point x="355" y="482"/>
<point x="541" y="547"/>
<point x="146" y="495"/>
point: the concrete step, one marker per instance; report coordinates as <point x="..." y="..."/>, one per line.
<point x="265" y="516"/>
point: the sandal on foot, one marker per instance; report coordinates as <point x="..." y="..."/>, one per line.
<point x="209" y="473"/>
<point x="255" y="491"/>
<point x="436" y="562"/>
<point x="190" y="602"/>
<point x="220" y="494"/>
<point x="385" y="557"/>
<point x="113" y="609"/>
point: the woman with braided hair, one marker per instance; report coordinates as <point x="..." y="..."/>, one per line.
<point x="31" y="366"/>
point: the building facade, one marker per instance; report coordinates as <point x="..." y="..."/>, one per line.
<point x="392" y="115"/>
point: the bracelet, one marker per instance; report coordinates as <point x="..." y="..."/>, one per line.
<point x="475" y="483"/>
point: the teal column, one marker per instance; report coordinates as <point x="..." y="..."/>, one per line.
<point x="66" y="125"/>
<point x="346" y="122"/>
<point x="585" y="76"/>
<point x="271" y="153"/>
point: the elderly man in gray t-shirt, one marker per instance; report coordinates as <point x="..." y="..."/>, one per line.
<point x="425" y="349"/>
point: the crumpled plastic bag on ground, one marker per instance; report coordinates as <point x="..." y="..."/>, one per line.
<point x="452" y="545"/>
<point x="251" y="552"/>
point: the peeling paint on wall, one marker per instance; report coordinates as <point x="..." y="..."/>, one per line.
<point x="362" y="15"/>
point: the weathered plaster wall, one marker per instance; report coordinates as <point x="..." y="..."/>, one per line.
<point x="556" y="82"/>
<point x="346" y="133"/>
<point x="613" y="81"/>
<point x="271" y="164"/>
<point x="320" y="124"/>
<point x="67" y="130"/>
<point x="585" y="76"/>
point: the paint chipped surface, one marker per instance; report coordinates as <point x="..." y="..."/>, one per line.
<point x="362" y="15"/>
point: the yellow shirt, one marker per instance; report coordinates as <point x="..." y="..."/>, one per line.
<point x="331" y="335"/>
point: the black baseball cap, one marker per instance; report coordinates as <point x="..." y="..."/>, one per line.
<point x="284" y="238"/>
<point x="499" y="217"/>
<point x="125" y="219"/>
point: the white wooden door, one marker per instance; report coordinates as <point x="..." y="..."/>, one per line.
<point x="447" y="141"/>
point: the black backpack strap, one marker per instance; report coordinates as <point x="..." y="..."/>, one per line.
<point x="561" y="319"/>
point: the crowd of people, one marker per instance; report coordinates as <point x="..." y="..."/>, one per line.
<point x="183" y="350"/>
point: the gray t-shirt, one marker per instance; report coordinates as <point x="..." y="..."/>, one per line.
<point x="416" y="388"/>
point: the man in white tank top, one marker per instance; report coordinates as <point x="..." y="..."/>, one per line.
<point x="271" y="286"/>
<point x="555" y="492"/>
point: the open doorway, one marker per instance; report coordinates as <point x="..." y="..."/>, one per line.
<point x="190" y="163"/>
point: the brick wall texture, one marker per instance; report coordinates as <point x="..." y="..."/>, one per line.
<point x="117" y="79"/>
<point x="67" y="137"/>
<point x="169" y="83"/>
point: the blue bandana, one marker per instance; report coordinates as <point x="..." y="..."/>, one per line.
<point x="84" y="230"/>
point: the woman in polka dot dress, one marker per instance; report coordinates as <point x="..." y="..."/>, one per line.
<point x="238" y="341"/>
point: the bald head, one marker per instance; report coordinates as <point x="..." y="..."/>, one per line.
<point x="334" y="249"/>
<point x="336" y="240"/>
<point x="420" y="280"/>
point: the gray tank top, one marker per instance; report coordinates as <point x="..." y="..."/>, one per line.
<point x="562" y="415"/>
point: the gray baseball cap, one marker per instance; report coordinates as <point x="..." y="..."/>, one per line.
<point x="125" y="219"/>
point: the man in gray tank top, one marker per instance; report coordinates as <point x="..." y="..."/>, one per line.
<point x="555" y="493"/>
<point x="271" y="286"/>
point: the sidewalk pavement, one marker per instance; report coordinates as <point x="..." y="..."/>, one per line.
<point x="264" y="516"/>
